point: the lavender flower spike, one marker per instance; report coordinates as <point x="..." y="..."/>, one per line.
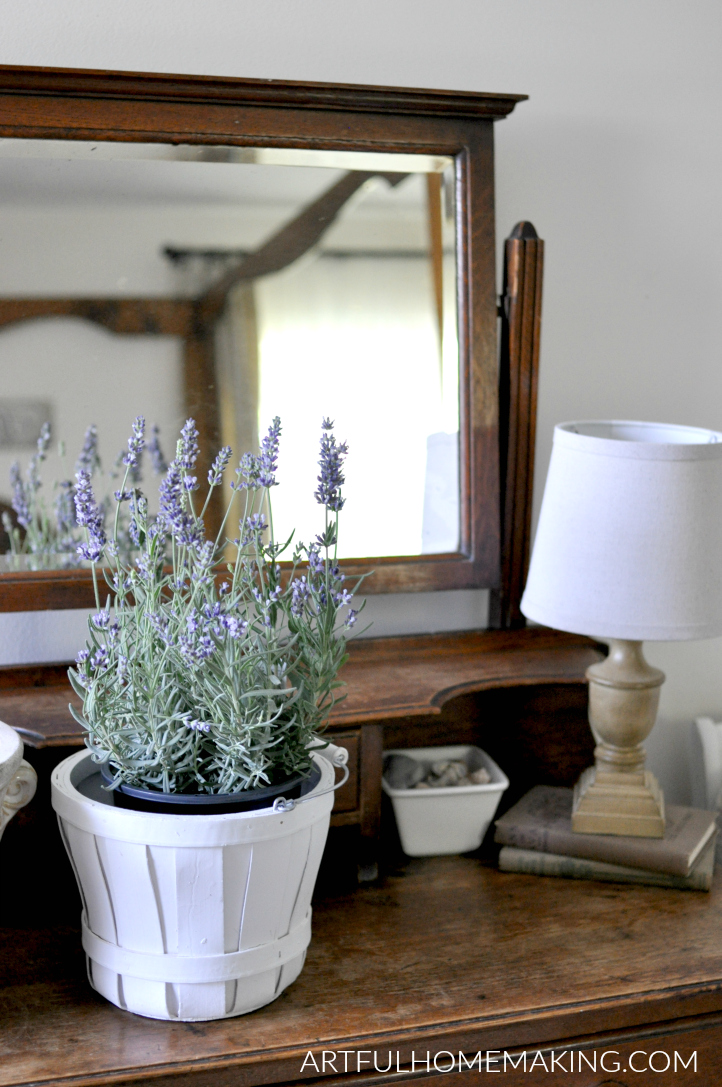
<point x="215" y="475"/>
<point x="136" y="442"/>
<point x="43" y="441"/>
<point x="157" y="460"/>
<point x="172" y="517"/>
<point x="89" y="515"/>
<point x="187" y="453"/>
<point x="248" y="470"/>
<point x="268" y="459"/>
<point x="331" y="477"/>
<point x="88" y="459"/>
<point x="20" y="498"/>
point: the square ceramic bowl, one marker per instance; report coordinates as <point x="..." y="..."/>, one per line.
<point x="446" y="820"/>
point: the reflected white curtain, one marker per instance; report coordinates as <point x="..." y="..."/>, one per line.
<point x="236" y="343"/>
<point x="357" y="339"/>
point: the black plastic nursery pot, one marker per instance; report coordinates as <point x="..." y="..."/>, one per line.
<point x="149" y="800"/>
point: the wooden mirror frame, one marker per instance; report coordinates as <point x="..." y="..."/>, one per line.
<point x="44" y="103"/>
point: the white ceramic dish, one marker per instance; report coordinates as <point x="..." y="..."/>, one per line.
<point x="448" y="820"/>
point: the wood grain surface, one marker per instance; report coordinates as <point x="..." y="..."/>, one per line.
<point x="443" y="954"/>
<point x="385" y="678"/>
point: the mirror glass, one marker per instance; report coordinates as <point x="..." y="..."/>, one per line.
<point x="236" y="285"/>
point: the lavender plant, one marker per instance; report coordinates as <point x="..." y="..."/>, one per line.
<point x="48" y="536"/>
<point x="206" y="676"/>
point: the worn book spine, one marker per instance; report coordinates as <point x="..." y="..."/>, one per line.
<point x="534" y="863"/>
<point x="626" y="851"/>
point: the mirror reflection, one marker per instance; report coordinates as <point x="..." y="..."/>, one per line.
<point x="234" y="285"/>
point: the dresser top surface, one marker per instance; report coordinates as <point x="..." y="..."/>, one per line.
<point x="446" y="951"/>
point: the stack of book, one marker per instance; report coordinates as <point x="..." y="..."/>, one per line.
<point x="536" y="837"/>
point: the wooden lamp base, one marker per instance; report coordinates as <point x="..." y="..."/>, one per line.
<point x="617" y="795"/>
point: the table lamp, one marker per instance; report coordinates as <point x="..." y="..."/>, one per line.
<point x="628" y="548"/>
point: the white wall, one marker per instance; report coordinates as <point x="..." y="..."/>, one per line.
<point x="617" y="159"/>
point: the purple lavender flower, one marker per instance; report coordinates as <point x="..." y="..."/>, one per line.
<point x="89" y="515"/>
<point x="188" y="450"/>
<point x="99" y="658"/>
<point x="351" y="618"/>
<point x="82" y="657"/>
<point x="316" y="563"/>
<point x="205" y="554"/>
<point x="88" y="459"/>
<point x="198" y="726"/>
<point x="252" y="527"/>
<point x="300" y="592"/>
<point x="342" y="598"/>
<point x="248" y="469"/>
<point x="65" y="508"/>
<point x="196" y="651"/>
<point x="215" y="475"/>
<point x="157" y="460"/>
<point x="138" y="517"/>
<point x="160" y="626"/>
<point x="170" y="495"/>
<point x="20" y="496"/>
<point x="101" y="621"/>
<point x="331" y="476"/>
<point x="235" y="627"/>
<point x="268" y="459"/>
<point x="117" y="584"/>
<point x="136" y="443"/>
<point x="43" y="442"/>
<point x="172" y="516"/>
<point x="145" y="566"/>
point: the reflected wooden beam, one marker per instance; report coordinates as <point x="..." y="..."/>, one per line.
<point x="124" y="316"/>
<point x="292" y="241"/>
<point x="436" y="248"/>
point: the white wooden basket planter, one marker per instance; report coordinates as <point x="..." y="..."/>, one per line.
<point x="192" y="917"/>
<point x="18" y="780"/>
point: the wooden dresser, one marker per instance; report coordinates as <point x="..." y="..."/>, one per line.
<point x="441" y="956"/>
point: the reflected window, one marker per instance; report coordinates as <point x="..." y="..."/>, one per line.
<point x="327" y="284"/>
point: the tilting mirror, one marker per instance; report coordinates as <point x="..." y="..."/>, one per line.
<point x="233" y="285"/>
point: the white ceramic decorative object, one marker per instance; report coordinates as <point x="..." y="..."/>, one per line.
<point x="18" y="780"/>
<point x="192" y="917"/>
<point x="705" y="758"/>
<point x="432" y="822"/>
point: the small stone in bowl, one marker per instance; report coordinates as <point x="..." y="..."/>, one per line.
<point x="480" y="776"/>
<point x="447" y="772"/>
<point x="403" y="772"/>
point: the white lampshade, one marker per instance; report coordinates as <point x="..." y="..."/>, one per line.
<point x="629" y="542"/>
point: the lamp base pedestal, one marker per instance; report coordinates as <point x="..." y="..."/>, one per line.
<point x="608" y="803"/>
<point x="617" y="795"/>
